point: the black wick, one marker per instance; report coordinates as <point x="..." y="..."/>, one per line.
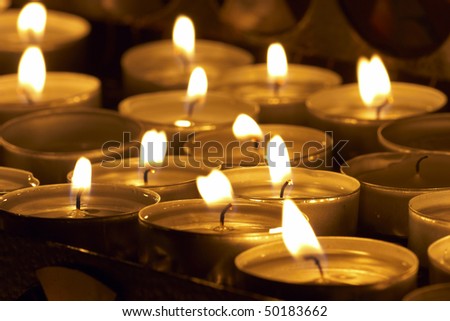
<point x="316" y="262"/>
<point x="26" y="94"/>
<point x="276" y="87"/>
<point x="148" y="170"/>
<point x="283" y="188"/>
<point x="256" y="143"/>
<point x="419" y="161"/>
<point x="222" y="214"/>
<point x="191" y="105"/>
<point x="78" y="199"/>
<point x="381" y="107"/>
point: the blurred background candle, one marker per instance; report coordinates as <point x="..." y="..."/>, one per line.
<point x="429" y="220"/>
<point x="167" y="64"/>
<point x="353" y="112"/>
<point x="33" y="89"/>
<point x="388" y="182"/>
<point x="435" y="292"/>
<point x="48" y="143"/>
<point x="99" y="218"/>
<point x="303" y="267"/>
<point x="12" y="179"/>
<point x="61" y="36"/>
<point x="181" y="114"/>
<point x="439" y="260"/>
<point x="279" y="88"/>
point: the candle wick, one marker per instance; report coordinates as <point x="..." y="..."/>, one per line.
<point x="419" y="161"/>
<point x="382" y="106"/>
<point x="283" y="188"/>
<point x="78" y="199"/>
<point x="191" y="106"/>
<point x="26" y="94"/>
<point x="148" y="170"/>
<point x="222" y="215"/>
<point x="256" y="142"/>
<point x="185" y="62"/>
<point x="276" y="88"/>
<point x="316" y="262"/>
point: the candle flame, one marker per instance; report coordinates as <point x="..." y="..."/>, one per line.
<point x="198" y="84"/>
<point x="298" y="235"/>
<point x="32" y="73"/>
<point x="277" y="66"/>
<point x="278" y="161"/>
<point x="215" y="187"/>
<point x="183" y="37"/>
<point x="246" y="127"/>
<point x="82" y="175"/>
<point x="153" y="147"/>
<point x="31" y="22"/>
<point x="373" y="81"/>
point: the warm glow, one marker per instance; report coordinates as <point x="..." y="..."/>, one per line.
<point x="32" y="73"/>
<point x="278" y="161"/>
<point x="215" y="187"/>
<point x="298" y="235"/>
<point x="373" y="81"/>
<point x="245" y="127"/>
<point x="153" y="147"/>
<point x="4" y="4"/>
<point x="183" y="123"/>
<point x="277" y="66"/>
<point x="82" y="174"/>
<point x="198" y="85"/>
<point x="183" y="37"/>
<point x="31" y="22"/>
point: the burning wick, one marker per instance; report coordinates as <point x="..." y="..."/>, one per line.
<point x="78" y="199"/>
<point x="222" y="216"/>
<point x="26" y="94"/>
<point x="316" y="262"/>
<point x="148" y="170"/>
<point x="276" y="87"/>
<point x="419" y="161"/>
<point x="283" y="188"/>
<point x="185" y="62"/>
<point x="191" y="106"/>
<point x="380" y="108"/>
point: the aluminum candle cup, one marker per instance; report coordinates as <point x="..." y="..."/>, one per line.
<point x="185" y="236"/>
<point x="341" y="110"/>
<point x="439" y="260"/>
<point x="425" y="134"/>
<point x="62" y="90"/>
<point x="154" y="66"/>
<point x="307" y="147"/>
<point x="174" y="179"/>
<point x="48" y="143"/>
<point x="436" y="292"/>
<point x="389" y="181"/>
<point x="161" y="111"/>
<point x="429" y="220"/>
<point x="286" y="107"/>
<point x="63" y="44"/>
<point x="12" y="179"/>
<point x="355" y="269"/>
<point x="328" y="199"/>
<point x="107" y="222"/>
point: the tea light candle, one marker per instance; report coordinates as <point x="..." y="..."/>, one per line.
<point x="328" y="199"/>
<point x="389" y="181"/>
<point x="48" y="143"/>
<point x="425" y="134"/>
<point x="63" y="41"/>
<point x="429" y="220"/>
<point x="166" y="64"/>
<point x="185" y="236"/>
<point x="439" y="260"/>
<point x="435" y="292"/>
<point x="355" y="269"/>
<point x="282" y="101"/>
<point x="106" y="223"/>
<point x="12" y="179"/>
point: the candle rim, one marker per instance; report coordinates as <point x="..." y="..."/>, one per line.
<point x="423" y="202"/>
<point x="435" y="253"/>
<point x="418" y="293"/>
<point x="25" y="177"/>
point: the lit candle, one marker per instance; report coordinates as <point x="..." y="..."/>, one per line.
<point x="61" y="36"/>
<point x="328" y="268"/>
<point x="181" y="114"/>
<point x="48" y="143"/>
<point x="197" y="239"/>
<point x="166" y="64"/>
<point x="172" y="176"/>
<point x="424" y="134"/>
<point x="279" y="88"/>
<point x="429" y="220"/>
<point x="12" y="179"/>
<point x="33" y="89"/>
<point x="355" y="111"/>
<point x="247" y="142"/>
<point x="100" y="218"/>
<point x="439" y="260"/>
<point x="389" y="181"/>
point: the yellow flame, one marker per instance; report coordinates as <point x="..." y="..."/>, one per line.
<point x="153" y="147"/>
<point x="373" y="81"/>
<point x="278" y="161"/>
<point x="277" y="66"/>
<point x="183" y="37"/>
<point x="198" y="85"/>
<point x="82" y="174"/>
<point x="298" y="235"/>
<point x="215" y="187"/>
<point x="31" y="22"/>
<point x="32" y="73"/>
<point x="246" y="127"/>
<point x="183" y="123"/>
